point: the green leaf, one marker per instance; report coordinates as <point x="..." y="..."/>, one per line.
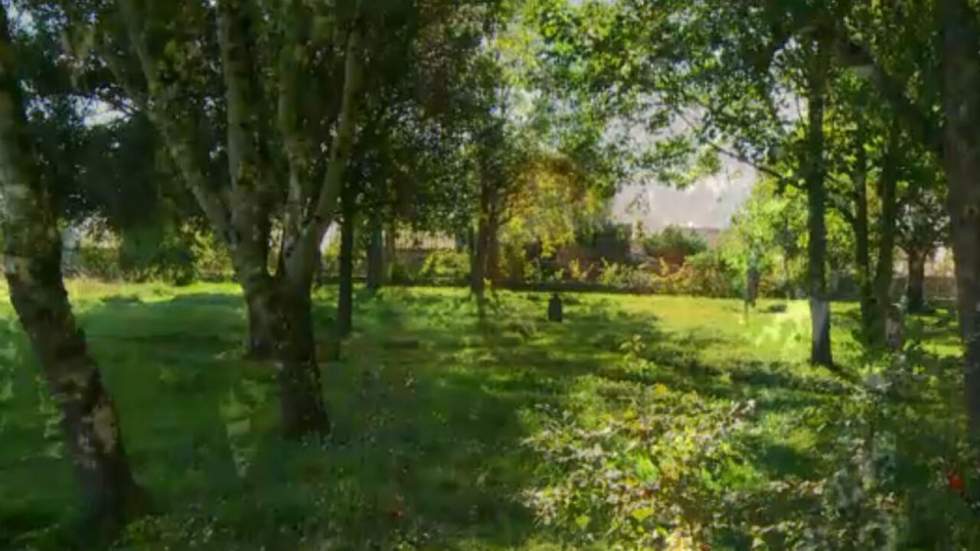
<point x="642" y="513"/>
<point x="582" y="521"/>
<point x="646" y="470"/>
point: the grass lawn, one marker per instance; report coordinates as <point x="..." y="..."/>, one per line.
<point x="431" y="411"/>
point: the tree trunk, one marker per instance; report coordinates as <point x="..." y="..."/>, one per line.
<point x="915" y="291"/>
<point x="884" y="270"/>
<point x="375" y="258"/>
<point x="345" y="296"/>
<point x="471" y="239"/>
<point x="32" y="251"/>
<point x="260" y="342"/>
<point x="961" y="152"/>
<point x="492" y="270"/>
<point x="820" y="347"/>
<point x="287" y="312"/>
<point x="486" y="256"/>
<point x="390" y="252"/>
<point x="478" y="266"/>
<point x="862" y="243"/>
<point x="787" y="277"/>
<point x="89" y="418"/>
<point x="303" y="411"/>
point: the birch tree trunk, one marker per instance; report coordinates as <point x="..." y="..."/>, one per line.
<point x="279" y="305"/>
<point x="32" y="265"/>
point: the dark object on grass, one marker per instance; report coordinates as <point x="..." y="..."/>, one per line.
<point x="775" y="309"/>
<point x="122" y="299"/>
<point x="555" y="309"/>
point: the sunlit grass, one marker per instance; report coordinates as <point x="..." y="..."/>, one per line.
<point x="429" y="408"/>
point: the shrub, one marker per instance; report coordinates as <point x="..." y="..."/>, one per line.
<point x="709" y="274"/>
<point x="666" y="469"/>
<point x="674" y="244"/>
<point x="651" y="478"/>
<point x="624" y="277"/>
<point x="96" y="262"/>
<point x="211" y="259"/>
<point x="445" y="266"/>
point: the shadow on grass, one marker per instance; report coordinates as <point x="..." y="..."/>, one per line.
<point x="427" y="408"/>
<point x="421" y="452"/>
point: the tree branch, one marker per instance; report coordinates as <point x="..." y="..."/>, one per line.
<point x="298" y="157"/>
<point x="300" y="261"/>
<point x="180" y="139"/>
<point x="853" y="55"/>
<point x="252" y="188"/>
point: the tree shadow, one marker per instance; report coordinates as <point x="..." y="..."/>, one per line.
<point x="421" y="452"/>
<point x="429" y="409"/>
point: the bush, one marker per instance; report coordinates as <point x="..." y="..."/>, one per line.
<point x="211" y="259"/>
<point x="674" y="244"/>
<point x="176" y="257"/>
<point x="624" y="277"/>
<point x="445" y="266"/>
<point x="655" y="477"/>
<point x="668" y="469"/>
<point x="95" y="262"/>
<point x="709" y="274"/>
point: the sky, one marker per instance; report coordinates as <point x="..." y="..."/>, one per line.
<point x="710" y="202"/>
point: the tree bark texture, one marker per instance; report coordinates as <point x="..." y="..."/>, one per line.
<point x="345" y="295"/>
<point x="815" y="170"/>
<point x="887" y="229"/>
<point x="376" y="258"/>
<point x="240" y="209"/>
<point x="32" y="266"/>
<point x="961" y="157"/>
<point x="915" y="290"/>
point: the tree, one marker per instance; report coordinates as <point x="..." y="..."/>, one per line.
<point x="887" y="45"/>
<point x="714" y="78"/>
<point x="923" y="227"/>
<point x="263" y="137"/>
<point x="870" y="160"/>
<point x="406" y="159"/>
<point x="536" y="145"/>
<point x="32" y="251"/>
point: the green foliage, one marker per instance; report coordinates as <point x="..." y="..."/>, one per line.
<point x="711" y="274"/>
<point x="178" y="257"/>
<point x="645" y="420"/>
<point x="155" y="253"/>
<point x="656" y="474"/>
<point x="769" y="232"/>
<point x="674" y="244"/>
<point x="707" y="274"/>
<point x="445" y="267"/>
<point x="620" y="276"/>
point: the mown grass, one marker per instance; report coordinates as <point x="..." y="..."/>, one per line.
<point x="429" y="406"/>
